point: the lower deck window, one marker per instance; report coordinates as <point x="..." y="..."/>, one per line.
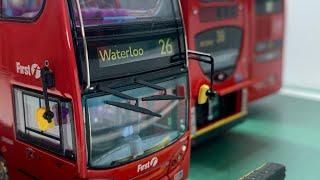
<point x="59" y="137"/>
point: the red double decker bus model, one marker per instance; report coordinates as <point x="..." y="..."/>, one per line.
<point x="93" y="89"/>
<point x="267" y="27"/>
<point x="220" y="28"/>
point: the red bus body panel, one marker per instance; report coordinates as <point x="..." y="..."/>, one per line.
<point x="268" y="74"/>
<point x="50" y="38"/>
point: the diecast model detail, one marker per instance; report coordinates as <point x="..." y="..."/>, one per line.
<point x="93" y="89"/>
<point x="221" y="29"/>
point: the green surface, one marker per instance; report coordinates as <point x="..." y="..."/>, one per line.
<point x="278" y="129"/>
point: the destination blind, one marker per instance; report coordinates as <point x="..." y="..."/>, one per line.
<point x="124" y="53"/>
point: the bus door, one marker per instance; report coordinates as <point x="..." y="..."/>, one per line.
<point x="267" y="24"/>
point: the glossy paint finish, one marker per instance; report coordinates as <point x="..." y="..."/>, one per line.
<point x="268" y="74"/>
<point x="194" y="26"/>
<point x="50" y="38"/>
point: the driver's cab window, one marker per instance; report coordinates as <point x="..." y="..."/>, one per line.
<point x="21" y="9"/>
<point x="56" y="136"/>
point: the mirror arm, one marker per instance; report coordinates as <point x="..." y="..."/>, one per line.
<point x="48" y="82"/>
<point x="199" y="56"/>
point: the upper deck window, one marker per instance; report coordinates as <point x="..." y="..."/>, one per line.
<point x="268" y="6"/>
<point x="21" y="9"/>
<point x="102" y="12"/>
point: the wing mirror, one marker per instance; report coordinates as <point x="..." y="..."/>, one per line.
<point x="206" y="91"/>
<point x="44" y="115"/>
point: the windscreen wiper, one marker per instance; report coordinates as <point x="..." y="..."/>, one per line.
<point x="163" y="97"/>
<point x="128" y="106"/>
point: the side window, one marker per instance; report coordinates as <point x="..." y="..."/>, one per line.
<point x="59" y="137"/>
<point x="269" y="6"/>
<point x="21" y="9"/>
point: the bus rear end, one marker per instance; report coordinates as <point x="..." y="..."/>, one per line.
<point x="219" y="28"/>
<point x="267" y="24"/>
<point x="99" y="90"/>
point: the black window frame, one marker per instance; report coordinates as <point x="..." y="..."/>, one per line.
<point x="157" y="78"/>
<point x="145" y="65"/>
<point x="21" y="19"/>
<point x="264" y="13"/>
<point x="230" y="70"/>
<point x="129" y="31"/>
<point x="24" y="137"/>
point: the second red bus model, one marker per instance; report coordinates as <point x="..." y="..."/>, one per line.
<point x="219" y="28"/>
<point x="266" y="46"/>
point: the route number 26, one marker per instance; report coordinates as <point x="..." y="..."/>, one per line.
<point x="166" y="46"/>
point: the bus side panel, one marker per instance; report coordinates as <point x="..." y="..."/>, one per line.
<point x="6" y="112"/>
<point x="6" y="123"/>
<point x="266" y="71"/>
<point x="48" y="38"/>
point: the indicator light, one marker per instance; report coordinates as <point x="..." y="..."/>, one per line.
<point x="203" y="97"/>
<point x="43" y="123"/>
<point x="184" y="148"/>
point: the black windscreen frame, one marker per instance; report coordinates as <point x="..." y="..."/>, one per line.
<point x="131" y="31"/>
<point x="99" y="73"/>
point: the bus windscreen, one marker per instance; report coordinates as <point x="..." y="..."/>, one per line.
<point x="106" y="12"/>
<point x="223" y="43"/>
